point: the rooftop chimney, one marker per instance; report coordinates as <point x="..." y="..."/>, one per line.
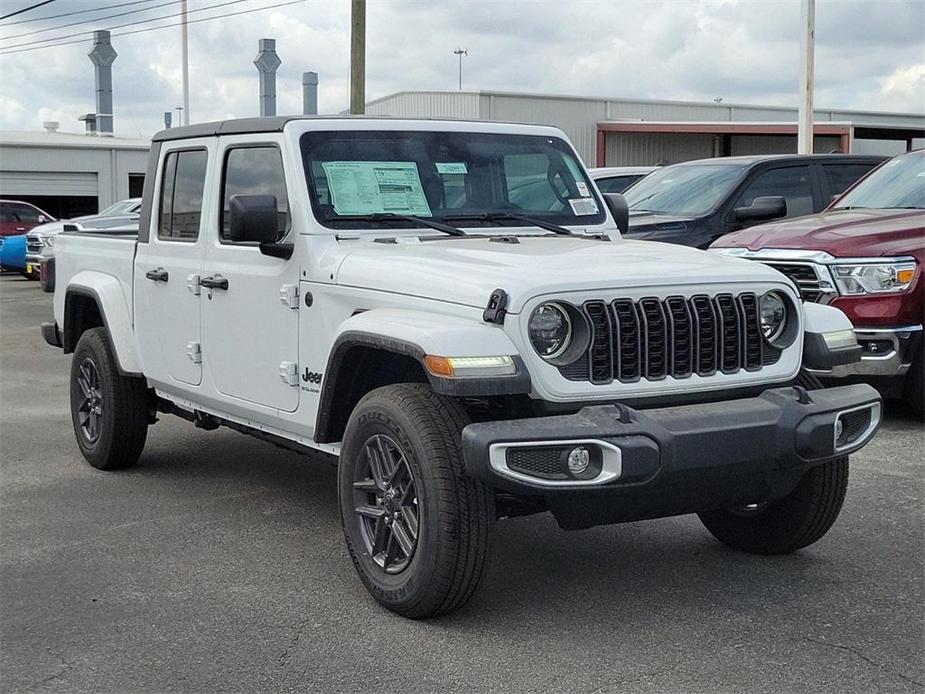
<point x="267" y="63"/>
<point x="103" y="55"/>
<point x="51" y="126"/>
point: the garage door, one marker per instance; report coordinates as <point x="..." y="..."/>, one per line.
<point x="20" y="183"/>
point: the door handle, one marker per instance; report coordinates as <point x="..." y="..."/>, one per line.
<point x="158" y="275"/>
<point x="214" y="282"/>
<point x="20" y="228"/>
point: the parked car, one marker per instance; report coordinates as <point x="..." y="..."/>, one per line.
<point x="13" y="253"/>
<point x="18" y="217"/>
<point x="616" y="179"/>
<point x="332" y="285"/>
<point x="697" y="202"/>
<point x="865" y="256"/>
<point x="40" y="242"/>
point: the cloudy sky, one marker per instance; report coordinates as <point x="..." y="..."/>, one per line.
<point x="870" y="54"/>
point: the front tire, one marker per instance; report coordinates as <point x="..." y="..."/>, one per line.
<point x="415" y="526"/>
<point x="793" y="522"/>
<point x="109" y="411"/>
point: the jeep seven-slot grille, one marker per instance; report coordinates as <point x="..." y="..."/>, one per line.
<point x="674" y="337"/>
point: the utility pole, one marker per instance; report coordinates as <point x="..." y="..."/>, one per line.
<point x="185" y="31"/>
<point x="807" y="68"/>
<point x="358" y="56"/>
<point x="461" y="52"/>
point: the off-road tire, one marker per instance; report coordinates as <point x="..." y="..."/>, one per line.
<point x="123" y="420"/>
<point x="793" y="522"/>
<point x="914" y="386"/>
<point x="454" y="510"/>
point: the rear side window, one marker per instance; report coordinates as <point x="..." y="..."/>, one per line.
<point x="793" y="183"/>
<point x="841" y="176"/>
<point x="181" y="195"/>
<point x="27" y="213"/>
<point x="255" y="171"/>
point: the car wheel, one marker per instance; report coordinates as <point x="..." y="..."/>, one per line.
<point x="109" y="411"/>
<point x="415" y="526"/>
<point x="797" y="520"/>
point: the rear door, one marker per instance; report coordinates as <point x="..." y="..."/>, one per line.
<point x="168" y="267"/>
<point x="250" y="327"/>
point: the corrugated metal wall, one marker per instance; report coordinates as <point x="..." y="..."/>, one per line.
<point x="577" y="118"/>
<point x="21" y="183"/>
<point x="647" y="149"/>
<point x="780" y="144"/>
<point x="463" y="105"/>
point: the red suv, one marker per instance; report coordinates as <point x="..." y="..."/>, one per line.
<point x="17" y="217"/>
<point x="863" y="254"/>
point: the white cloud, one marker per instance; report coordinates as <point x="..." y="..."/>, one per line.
<point x="869" y="55"/>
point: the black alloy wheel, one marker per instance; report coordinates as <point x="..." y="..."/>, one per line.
<point x="90" y="407"/>
<point x="386" y="504"/>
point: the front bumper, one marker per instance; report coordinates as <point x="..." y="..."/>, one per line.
<point x="885" y="353"/>
<point x="726" y="451"/>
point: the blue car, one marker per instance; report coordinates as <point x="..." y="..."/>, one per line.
<point x="13" y="253"/>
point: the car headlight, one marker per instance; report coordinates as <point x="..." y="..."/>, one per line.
<point x="47" y="240"/>
<point x="772" y="313"/>
<point x="550" y="330"/>
<point x="874" y="278"/>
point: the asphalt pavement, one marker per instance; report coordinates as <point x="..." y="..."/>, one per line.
<point x="217" y="564"/>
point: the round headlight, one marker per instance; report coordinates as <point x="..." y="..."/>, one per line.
<point x="550" y="330"/>
<point x="773" y="316"/>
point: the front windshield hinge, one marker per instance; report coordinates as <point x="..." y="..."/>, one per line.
<point x="497" y="307"/>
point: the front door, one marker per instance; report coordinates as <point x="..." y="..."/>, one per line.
<point x="250" y="311"/>
<point x="167" y="271"/>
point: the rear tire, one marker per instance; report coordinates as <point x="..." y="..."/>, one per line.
<point x="793" y="522"/>
<point x="914" y="387"/>
<point x="420" y="545"/>
<point x="109" y="411"/>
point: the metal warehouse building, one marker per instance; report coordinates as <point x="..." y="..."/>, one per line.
<point x="68" y="175"/>
<point x="631" y="132"/>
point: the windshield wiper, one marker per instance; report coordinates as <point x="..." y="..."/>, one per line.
<point x="392" y="216"/>
<point x="499" y="216"/>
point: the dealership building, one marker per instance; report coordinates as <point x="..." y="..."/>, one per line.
<point x="637" y="132"/>
<point x="69" y="174"/>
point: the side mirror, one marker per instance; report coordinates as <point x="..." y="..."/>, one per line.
<point x="616" y="203"/>
<point x="252" y="218"/>
<point x="42" y="219"/>
<point x="767" y="207"/>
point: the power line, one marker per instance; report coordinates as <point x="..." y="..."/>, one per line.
<point x="71" y="14"/>
<point x="122" y="26"/>
<point x="164" y="26"/>
<point x="26" y="9"/>
<point x="87" y="21"/>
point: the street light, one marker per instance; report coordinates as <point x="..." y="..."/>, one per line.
<point x="461" y="52"/>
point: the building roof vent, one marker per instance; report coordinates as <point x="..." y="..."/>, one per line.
<point x="90" y="121"/>
<point x="51" y="126"/>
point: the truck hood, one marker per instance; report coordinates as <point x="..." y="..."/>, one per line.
<point x="842" y="233"/>
<point x="467" y="270"/>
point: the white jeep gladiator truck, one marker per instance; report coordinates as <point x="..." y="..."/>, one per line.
<point x="449" y="308"/>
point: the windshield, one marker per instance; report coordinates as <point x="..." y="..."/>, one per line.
<point x="119" y="208"/>
<point x="455" y="176"/>
<point x="683" y="189"/>
<point x="899" y="183"/>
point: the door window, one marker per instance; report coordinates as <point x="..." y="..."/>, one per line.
<point x="843" y="175"/>
<point x="181" y="195"/>
<point x="793" y="183"/>
<point x="255" y="171"/>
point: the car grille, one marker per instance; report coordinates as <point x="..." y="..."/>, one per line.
<point x="804" y="277"/>
<point x="33" y="244"/>
<point x="676" y="337"/>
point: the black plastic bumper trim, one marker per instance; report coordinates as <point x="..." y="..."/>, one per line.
<point x="775" y="431"/>
<point x="817" y="355"/>
<point x="52" y="335"/>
